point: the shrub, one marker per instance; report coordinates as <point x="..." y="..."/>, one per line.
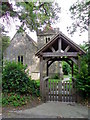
<point x="66" y="68"/>
<point x="14" y="99"/>
<point x="15" y="79"/>
<point x="83" y="80"/>
<point x="56" y="76"/>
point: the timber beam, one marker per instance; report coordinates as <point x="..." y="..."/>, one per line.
<point x="59" y="54"/>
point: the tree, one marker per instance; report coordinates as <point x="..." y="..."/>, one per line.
<point x="5" y="42"/>
<point x="83" y="78"/>
<point x="33" y="14"/>
<point x="80" y="14"/>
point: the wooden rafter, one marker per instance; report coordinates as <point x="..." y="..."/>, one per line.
<point x="53" y="50"/>
<point x="67" y="48"/>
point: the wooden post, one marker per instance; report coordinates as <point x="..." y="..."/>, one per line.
<point x="79" y="64"/>
<point x="59" y="45"/>
<point x="72" y="68"/>
<point x="47" y="69"/>
<point x="41" y="75"/>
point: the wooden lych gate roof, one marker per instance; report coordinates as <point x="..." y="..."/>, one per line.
<point x="60" y="45"/>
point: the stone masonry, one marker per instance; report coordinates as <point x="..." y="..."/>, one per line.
<point x="22" y="46"/>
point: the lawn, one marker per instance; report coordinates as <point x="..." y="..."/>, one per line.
<point x="55" y="80"/>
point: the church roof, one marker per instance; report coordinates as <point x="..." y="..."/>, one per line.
<point x="26" y="36"/>
<point x="65" y="42"/>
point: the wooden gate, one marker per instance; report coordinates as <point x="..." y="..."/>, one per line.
<point x="59" y="91"/>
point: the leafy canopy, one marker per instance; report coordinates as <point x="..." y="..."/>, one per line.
<point x="80" y="14"/>
<point x="33" y="14"/>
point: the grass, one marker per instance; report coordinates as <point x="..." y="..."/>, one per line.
<point x="56" y="80"/>
<point x="66" y="76"/>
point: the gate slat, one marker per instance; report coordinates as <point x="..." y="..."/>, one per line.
<point x="50" y="90"/>
<point x="66" y="91"/>
<point x="60" y="91"/>
<point x="63" y="91"/>
<point x="56" y="91"/>
<point x="53" y="90"/>
<point x="72" y="92"/>
<point x="69" y="95"/>
<point x="47" y="97"/>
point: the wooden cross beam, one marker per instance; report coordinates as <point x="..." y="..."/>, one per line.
<point x="59" y="54"/>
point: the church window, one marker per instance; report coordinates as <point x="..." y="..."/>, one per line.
<point x="47" y="39"/>
<point x="20" y="59"/>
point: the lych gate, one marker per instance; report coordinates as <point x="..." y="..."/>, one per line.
<point x="59" y="48"/>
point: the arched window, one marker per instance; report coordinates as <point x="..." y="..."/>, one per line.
<point x="20" y="59"/>
<point x="47" y="39"/>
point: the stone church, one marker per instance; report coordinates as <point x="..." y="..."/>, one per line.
<point x="22" y="49"/>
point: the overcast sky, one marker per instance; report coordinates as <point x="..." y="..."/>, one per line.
<point x="65" y="21"/>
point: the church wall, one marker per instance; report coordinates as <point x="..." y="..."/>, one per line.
<point x="22" y="46"/>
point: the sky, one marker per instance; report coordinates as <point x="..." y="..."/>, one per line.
<point x="64" y="22"/>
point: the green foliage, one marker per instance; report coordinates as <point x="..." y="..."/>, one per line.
<point x="66" y="68"/>
<point x="33" y="14"/>
<point x="15" y="79"/>
<point x="56" y="76"/>
<point x="14" y="99"/>
<point x="5" y="42"/>
<point x="83" y="78"/>
<point x="80" y="14"/>
<point x="7" y="7"/>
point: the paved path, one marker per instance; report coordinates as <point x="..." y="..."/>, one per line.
<point x="54" y="110"/>
<point x="66" y="79"/>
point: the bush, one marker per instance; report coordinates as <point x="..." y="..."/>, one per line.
<point x="15" y="79"/>
<point x="14" y="99"/>
<point x="66" y="68"/>
<point x="56" y="76"/>
<point x="83" y="80"/>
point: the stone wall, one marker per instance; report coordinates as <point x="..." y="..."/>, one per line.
<point x="22" y="45"/>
